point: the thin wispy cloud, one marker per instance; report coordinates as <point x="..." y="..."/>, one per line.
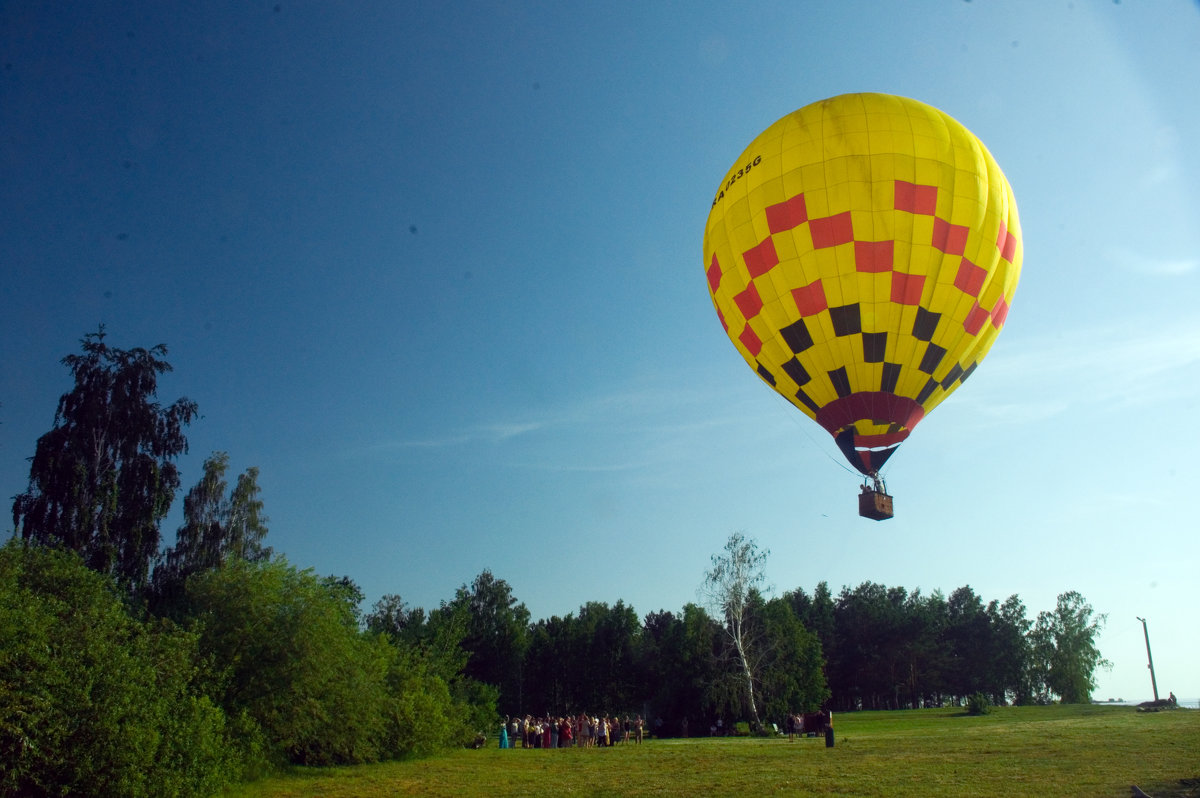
<point x="507" y="430"/>
<point x="629" y="429"/>
<point x="1112" y="367"/>
<point x="497" y="432"/>
<point x="1156" y="266"/>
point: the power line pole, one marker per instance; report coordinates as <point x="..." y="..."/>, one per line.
<point x="1150" y="659"/>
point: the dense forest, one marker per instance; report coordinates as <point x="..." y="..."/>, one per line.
<point x="133" y="668"/>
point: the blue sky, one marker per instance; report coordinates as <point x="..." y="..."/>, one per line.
<point x="436" y="270"/>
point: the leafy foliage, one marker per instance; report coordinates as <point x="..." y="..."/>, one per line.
<point x="886" y="648"/>
<point x="91" y="701"/>
<point x="978" y="704"/>
<point x="585" y="662"/>
<point x="102" y="480"/>
<point x="1067" y="656"/>
<point x="729" y="590"/>
<point x="215" y="530"/>
<point x="681" y="665"/>
<point x="496" y="638"/>
<point x="790" y="670"/>
<point x="292" y="659"/>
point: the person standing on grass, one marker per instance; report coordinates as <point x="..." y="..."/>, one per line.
<point x="568" y="732"/>
<point x="504" y="734"/>
<point x="638" y="725"/>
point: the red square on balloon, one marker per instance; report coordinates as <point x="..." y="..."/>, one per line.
<point x="1007" y="243"/>
<point x="762" y="258"/>
<point x="787" y="214"/>
<point x="999" y="313"/>
<point x="750" y="340"/>
<point x="810" y="299"/>
<point x="970" y="277"/>
<point x="831" y="230"/>
<point x="714" y="274"/>
<point x="749" y="302"/>
<point x="873" y="256"/>
<point x="949" y="238"/>
<point x="916" y="199"/>
<point x="907" y="288"/>
<point x="973" y="323"/>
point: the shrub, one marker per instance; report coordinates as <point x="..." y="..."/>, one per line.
<point x="978" y="704"/>
<point x="287" y="654"/>
<point x="92" y="701"/>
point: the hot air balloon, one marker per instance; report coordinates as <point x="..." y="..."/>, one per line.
<point x="862" y="255"/>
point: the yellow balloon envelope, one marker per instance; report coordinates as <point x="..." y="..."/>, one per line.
<point x="862" y="255"/>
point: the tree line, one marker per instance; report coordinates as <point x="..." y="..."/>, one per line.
<point x="129" y="667"/>
<point x="868" y="647"/>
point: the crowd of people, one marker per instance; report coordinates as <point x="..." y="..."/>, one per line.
<point x="581" y="731"/>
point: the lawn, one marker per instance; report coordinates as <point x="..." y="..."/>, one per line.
<point x="1048" y="752"/>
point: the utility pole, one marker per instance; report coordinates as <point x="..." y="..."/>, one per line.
<point x="1150" y="659"/>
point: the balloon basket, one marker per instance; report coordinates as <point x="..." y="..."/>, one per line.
<point x="874" y="504"/>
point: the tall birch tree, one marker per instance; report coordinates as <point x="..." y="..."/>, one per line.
<point x="728" y="591"/>
<point x="102" y="480"/>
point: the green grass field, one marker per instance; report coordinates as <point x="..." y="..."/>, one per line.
<point x="1051" y="752"/>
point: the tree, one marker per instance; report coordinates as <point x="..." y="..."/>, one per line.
<point x="792" y="678"/>
<point x="872" y="665"/>
<point x="286" y="652"/>
<point x="392" y="616"/>
<point x="92" y="700"/>
<point x="601" y="648"/>
<point x="246" y="527"/>
<point x="430" y="649"/>
<point x="1010" y="652"/>
<point x="728" y="587"/>
<point x="215" y="530"/>
<point x="1065" y="642"/>
<point x="497" y="636"/>
<point x="680" y="666"/>
<point x="926" y="620"/>
<point x="102" y="480"/>
<point x="437" y="639"/>
<point x="968" y="642"/>
<point x="816" y="613"/>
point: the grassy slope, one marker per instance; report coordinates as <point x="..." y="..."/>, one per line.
<point x="1017" y="751"/>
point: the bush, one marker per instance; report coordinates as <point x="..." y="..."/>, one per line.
<point x="305" y="686"/>
<point x="978" y="704"/>
<point x="420" y="716"/>
<point x="92" y="701"/>
<point x="287" y="655"/>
